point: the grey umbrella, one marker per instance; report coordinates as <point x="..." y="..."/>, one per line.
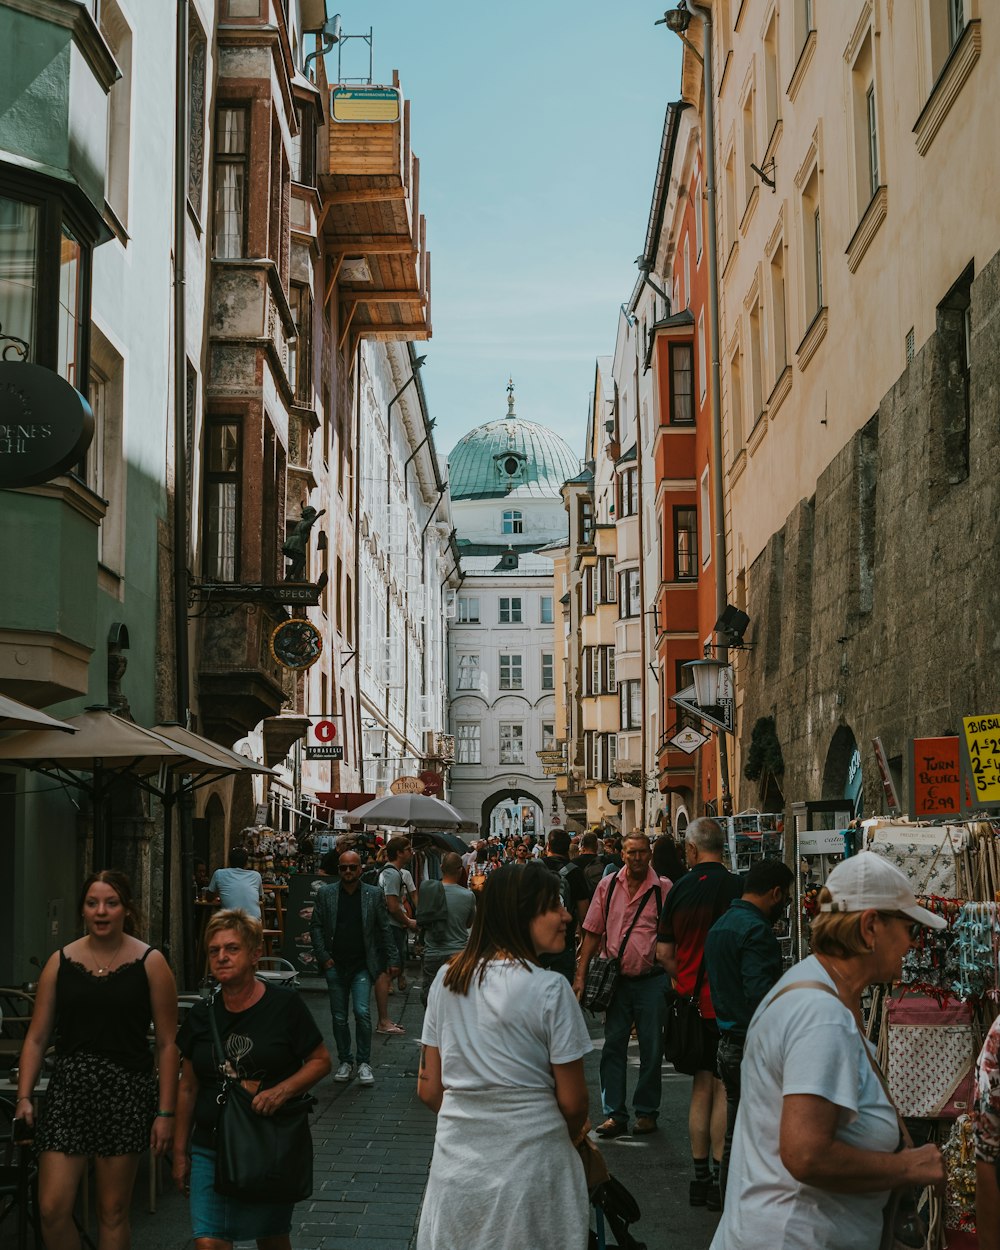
<point x="408" y="811"/>
<point x="16" y="715"/>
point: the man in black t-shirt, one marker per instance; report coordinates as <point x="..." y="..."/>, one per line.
<point x="575" y="894"/>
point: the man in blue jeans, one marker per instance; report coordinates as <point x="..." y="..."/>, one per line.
<point x="622" y="921"/>
<point x="353" y="946"/>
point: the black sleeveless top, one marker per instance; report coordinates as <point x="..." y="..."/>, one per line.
<point x="107" y="1016"/>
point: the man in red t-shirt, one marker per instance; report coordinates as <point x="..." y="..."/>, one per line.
<point x="691" y="908"/>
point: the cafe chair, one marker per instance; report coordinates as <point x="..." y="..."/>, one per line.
<point x="18" y="1182"/>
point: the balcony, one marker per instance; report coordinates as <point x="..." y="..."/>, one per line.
<point x="239" y="682"/>
<point x="371" y="222"/>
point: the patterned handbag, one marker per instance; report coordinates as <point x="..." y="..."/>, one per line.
<point x="931" y="1056"/>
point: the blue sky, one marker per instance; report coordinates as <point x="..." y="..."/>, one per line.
<point x="538" y="128"/>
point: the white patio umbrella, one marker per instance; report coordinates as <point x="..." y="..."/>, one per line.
<point x="408" y="811"/>
<point x="17" y="715"/>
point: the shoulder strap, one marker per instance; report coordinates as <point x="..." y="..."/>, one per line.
<point x="145" y="954"/>
<point x="217" y="1047"/>
<point x="654" y="889"/>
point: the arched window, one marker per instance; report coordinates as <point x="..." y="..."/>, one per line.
<point x="513" y="521"/>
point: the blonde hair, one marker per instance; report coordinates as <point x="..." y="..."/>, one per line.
<point x="836" y="933"/>
<point x="248" y="928"/>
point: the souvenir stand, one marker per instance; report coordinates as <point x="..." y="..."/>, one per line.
<point x="930" y="1028"/>
<point x="751" y="836"/>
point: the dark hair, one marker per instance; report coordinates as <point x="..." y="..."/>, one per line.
<point x="329" y="862"/>
<point x="396" y="846"/>
<point x="121" y="885"/>
<point x="511" y="898"/>
<point x="451" y="865"/>
<point x="667" y="860"/>
<point x="766" y="875"/>
<point x="588" y="842"/>
<point x="559" y="841"/>
<point x="238" y="857"/>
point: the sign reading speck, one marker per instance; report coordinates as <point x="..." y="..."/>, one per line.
<point x="364" y="104"/>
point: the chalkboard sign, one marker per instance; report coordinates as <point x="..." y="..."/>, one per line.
<point x="302" y="888"/>
<point x="982" y="747"/>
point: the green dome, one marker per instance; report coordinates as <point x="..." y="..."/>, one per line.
<point x="510" y="457"/>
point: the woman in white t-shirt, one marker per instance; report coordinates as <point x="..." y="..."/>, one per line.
<point x="502" y="1066"/>
<point x="816" y="1150"/>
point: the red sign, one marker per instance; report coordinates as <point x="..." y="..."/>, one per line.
<point x="325" y="730"/>
<point x="935" y="777"/>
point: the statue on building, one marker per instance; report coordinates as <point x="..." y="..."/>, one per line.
<point x="296" y="547"/>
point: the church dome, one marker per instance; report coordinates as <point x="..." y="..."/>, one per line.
<point x="510" y="458"/>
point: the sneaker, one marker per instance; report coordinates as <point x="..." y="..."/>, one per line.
<point x="343" y="1073"/>
<point x="698" y="1193"/>
<point x="365" y="1074"/>
<point x="713" y="1195"/>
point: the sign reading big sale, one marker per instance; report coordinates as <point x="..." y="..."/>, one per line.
<point x="982" y="742"/>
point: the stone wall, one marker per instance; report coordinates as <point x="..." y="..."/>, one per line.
<point x="875" y="610"/>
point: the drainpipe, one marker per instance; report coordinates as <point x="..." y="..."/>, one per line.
<point x="643" y="651"/>
<point x="359" y="741"/>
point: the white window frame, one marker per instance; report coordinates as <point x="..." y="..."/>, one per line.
<point x="467" y="614"/>
<point x="511" y="610"/>
<point x="468" y="742"/>
<point x="511" y="671"/>
<point x="546" y="610"/>
<point x="512" y="521"/>
<point x="548" y="670"/>
<point x="511" y="742"/>
<point x="469" y="671"/>
<point x="705" y="517"/>
<point x="548" y="735"/>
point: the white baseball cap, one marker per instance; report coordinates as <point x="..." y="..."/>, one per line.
<point x="867" y="881"/>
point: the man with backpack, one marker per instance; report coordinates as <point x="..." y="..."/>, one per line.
<point x="398" y="853"/>
<point x="445" y="914"/>
<point x="623" y="919"/>
<point x="575" y="897"/>
<point x="589" y="861"/>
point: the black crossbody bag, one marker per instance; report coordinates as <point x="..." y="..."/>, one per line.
<point x="260" y="1158"/>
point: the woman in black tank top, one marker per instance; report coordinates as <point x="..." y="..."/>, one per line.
<point x="106" y="1099"/>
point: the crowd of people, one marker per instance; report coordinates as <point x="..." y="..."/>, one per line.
<point x="793" y="1134"/>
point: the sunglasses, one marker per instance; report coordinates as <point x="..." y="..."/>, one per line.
<point x="914" y="926"/>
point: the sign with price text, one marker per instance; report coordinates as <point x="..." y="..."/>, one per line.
<point x="935" y="777"/>
<point x="982" y="748"/>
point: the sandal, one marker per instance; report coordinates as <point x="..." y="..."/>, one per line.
<point x="393" y="1030"/>
<point x="402" y="985"/>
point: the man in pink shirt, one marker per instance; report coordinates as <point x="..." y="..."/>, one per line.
<point x="626" y="905"/>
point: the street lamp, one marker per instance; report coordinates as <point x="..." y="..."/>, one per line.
<point x="705" y="675"/>
<point x="677" y="20"/>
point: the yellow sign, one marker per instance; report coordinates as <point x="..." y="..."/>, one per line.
<point x="407" y="785"/>
<point x="982" y="740"/>
<point x="364" y="104"/>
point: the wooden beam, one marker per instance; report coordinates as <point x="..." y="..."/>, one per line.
<point x="333" y="280"/>
<point x="407" y="330"/>
<point x="373" y="245"/>
<point x="346" y="328"/>
<point x="363" y="195"/>
<point x="382" y="297"/>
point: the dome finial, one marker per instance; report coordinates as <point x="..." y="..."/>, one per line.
<point x="510" y="400"/>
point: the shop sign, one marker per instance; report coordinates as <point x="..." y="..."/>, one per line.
<point x="821" y="842"/>
<point x="326" y="751"/>
<point x="935" y="777"/>
<point x="364" y="104"/>
<point x="617" y="792"/>
<point x="296" y="644"/>
<point x="982" y="745"/>
<point x="320" y="744"/>
<point x="407" y="785"/>
<point x="688" y="740"/>
<point x="45" y="425"/>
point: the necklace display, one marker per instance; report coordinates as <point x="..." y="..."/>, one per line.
<point x="102" y="971"/>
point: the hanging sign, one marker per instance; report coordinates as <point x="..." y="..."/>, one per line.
<point x="325" y="752"/>
<point x="296" y="644"/>
<point x="982" y="746"/>
<point x="45" y="425"/>
<point x="407" y="785"/>
<point x="364" y="104"/>
<point x="688" y="740"/>
<point x="935" y="777"/>
<point x="320" y="745"/>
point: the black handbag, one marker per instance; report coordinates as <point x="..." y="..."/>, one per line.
<point x="683" y="1030"/>
<point x="604" y="970"/>
<point x="260" y="1158"/>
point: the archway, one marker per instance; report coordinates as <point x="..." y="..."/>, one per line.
<point x="512" y="812"/>
<point x="842" y="777"/>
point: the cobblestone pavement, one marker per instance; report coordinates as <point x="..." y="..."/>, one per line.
<point x="373" y="1149"/>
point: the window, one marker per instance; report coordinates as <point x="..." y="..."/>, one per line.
<point x="71" y="308"/>
<point x="864" y="123"/>
<point x="118" y="35"/>
<point x="19" y="230"/>
<point x="222" y="498"/>
<point x="730" y="202"/>
<point x="956" y="20"/>
<point x="702" y="358"/>
<point x="511" y="742"/>
<point x="606" y="582"/>
<point x="468" y="609"/>
<point x="683" y="679"/>
<point x="229" y="228"/>
<point x="756" y="363"/>
<point x="771" y="79"/>
<point x="548" y="671"/>
<point x="873" y="182"/>
<point x="548" y="736"/>
<point x="545" y="616"/>
<point x="687" y="271"/>
<point x="510" y="611"/>
<point x="804" y="23"/>
<point x="602" y="670"/>
<point x="300" y="349"/>
<point x="585" y="522"/>
<point x="681" y="384"/>
<point x="818" y="255"/>
<point x="628" y="594"/>
<point x="628" y="495"/>
<point x="197" y="54"/>
<point x="513" y="522"/>
<point x="600" y="753"/>
<point x="685" y="544"/>
<point x="303" y="147"/>
<point x="812" y="230"/>
<point x="467" y="742"/>
<point x="698" y="209"/>
<point x="587" y="671"/>
<point x="630" y="704"/>
<point x="588" y="590"/>
<point x="468" y="671"/>
<point x="749" y="147"/>
<point x="777" y="276"/>
<point x="706" y="521"/>
<point x="736" y="402"/>
<point x="511" y="673"/>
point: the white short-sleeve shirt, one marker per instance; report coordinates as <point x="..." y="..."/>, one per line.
<point x="506" y="1032"/>
<point x="807" y="1043"/>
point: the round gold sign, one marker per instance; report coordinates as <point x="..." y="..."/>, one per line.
<point x="296" y="644"/>
<point x="407" y="785"/>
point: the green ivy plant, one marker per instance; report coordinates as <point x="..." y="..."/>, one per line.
<point x="764" y="755"/>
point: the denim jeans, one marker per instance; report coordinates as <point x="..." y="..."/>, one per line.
<point x="639" y="1001"/>
<point x="357" y="988"/>
<point x="730" y="1060"/>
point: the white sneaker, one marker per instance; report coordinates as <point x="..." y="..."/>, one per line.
<point x="343" y="1073"/>
<point x="365" y="1074"/>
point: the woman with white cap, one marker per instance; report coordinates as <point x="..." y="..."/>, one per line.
<point x="818" y="1146"/>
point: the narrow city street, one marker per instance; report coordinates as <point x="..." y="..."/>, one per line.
<point x="373" y="1149"/>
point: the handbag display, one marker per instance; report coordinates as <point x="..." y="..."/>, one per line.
<point x="260" y="1158"/>
<point x="931" y="1056"/>
<point x="683" y="1031"/>
<point x="604" y="970"/>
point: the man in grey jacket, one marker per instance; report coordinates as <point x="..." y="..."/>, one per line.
<point x="354" y="946"/>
